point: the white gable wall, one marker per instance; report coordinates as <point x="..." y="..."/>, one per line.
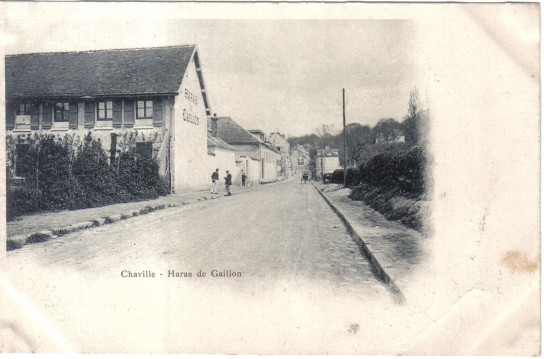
<point x="190" y="162"/>
<point x="225" y="160"/>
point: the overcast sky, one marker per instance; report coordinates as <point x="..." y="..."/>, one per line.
<point x="284" y="75"/>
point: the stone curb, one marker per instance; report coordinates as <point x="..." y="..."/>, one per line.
<point x="17" y="241"/>
<point x="371" y="253"/>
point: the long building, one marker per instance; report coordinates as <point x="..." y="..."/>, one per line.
<point x="251" y="146"/>
<point x="150" y="98"/>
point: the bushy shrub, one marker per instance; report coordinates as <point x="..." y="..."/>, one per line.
<point x="97" y="179"/>
<point x="139" y="176"/>
<point x="338" y="176"/>
<point x="21" y="201"/>
<point x="62" y="174"/>
<point x="401" y="170"/>
<point x="352" y="176"/>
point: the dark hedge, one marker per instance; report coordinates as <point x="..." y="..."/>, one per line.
<point x="402" y="170"/>
<point x="62" y="176"/>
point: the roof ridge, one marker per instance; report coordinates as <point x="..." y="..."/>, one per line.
<point x="102" y="50"/>
<point x="240" y="128"/>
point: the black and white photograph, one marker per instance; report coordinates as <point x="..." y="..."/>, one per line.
<point x="270" y="178"/>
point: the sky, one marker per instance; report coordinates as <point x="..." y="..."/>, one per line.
<point x="269" y="74"/>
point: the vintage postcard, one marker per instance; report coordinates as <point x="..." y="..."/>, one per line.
<point x="270" y="178"/>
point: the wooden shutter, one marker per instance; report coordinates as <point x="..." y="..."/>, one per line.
<point x="47" y="116"/>
<point x="89" y="114"/>
<point x="72" y="115"/>
<point x="34" y="116"/>
<point x="157" y="112"/>
<point x="129" y="113"/>
<point x="10" y="115"/>
<point x="117" y="113"/>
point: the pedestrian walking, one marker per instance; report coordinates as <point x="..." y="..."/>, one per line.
<point x="215" y="180"/>
<point x="228" y="183"/>
<point x="244" y="178"/>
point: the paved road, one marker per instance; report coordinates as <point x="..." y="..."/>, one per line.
<point x="299" y="272"/>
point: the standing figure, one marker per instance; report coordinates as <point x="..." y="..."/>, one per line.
<point x="244" y="177"/>
<point x="215" y="180"/>
<point x="228" y="183"/>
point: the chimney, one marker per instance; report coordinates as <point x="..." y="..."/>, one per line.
<point x="212" y="127"/>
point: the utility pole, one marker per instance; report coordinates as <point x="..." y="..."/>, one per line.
<point x="345" y="135"/>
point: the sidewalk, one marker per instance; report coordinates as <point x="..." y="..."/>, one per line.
<point x="395" y="250"/>
<point x="43" y="226"/>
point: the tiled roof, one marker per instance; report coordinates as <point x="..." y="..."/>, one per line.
<point x="156" y="70"/>
<point x="214" y="141"/>
<point x="232" y="133"/>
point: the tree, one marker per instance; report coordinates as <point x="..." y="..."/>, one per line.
<point x="414" y="106"/>
<point x="387" y="130"/>
<point x="416" y="122"/>
<point x="328" y="136"/>
<point x="358" y="137"/>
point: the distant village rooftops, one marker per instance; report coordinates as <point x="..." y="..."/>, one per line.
<point x="157" y="70"/>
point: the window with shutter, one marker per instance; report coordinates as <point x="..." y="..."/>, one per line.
<point x="104" y="114"/>
<point x="22" y="115"/>
<point x="60" y="112"/>
<point x="105" y="110"/>
<point x="144" y="113"/>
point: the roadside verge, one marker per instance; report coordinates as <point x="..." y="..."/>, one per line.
<point x="393" y="249"/>
<point x="42" y="227"/>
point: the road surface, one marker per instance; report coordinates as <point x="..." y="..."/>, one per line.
<point x="270" y="268"/>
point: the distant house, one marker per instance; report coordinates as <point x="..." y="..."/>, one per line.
<point x="280" y="143"/>
<point x="155" y="95"/>
<point x="300" y="158"/>
<point x="327" y="160"/>
<point x="249" y="145"/>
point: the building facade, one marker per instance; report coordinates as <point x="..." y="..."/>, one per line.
<point x="248" y="145"/>
<point x="326" y="161"/>
<point x="300" y="158"/>
<point x="153" y="99"/>
<point x="280" y="143"/>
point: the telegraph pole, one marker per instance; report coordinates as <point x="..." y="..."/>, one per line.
<point x="345" y="135"/>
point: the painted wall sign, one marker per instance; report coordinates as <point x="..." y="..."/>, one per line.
<point x="190" y="117"/>
<point x="191" y="97"/>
